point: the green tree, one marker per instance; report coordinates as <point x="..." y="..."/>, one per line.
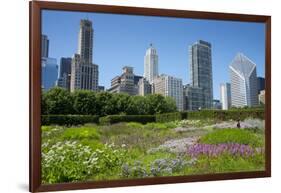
<point x="57" y="101"/>
<point x="170" y="105"/>
<point x="85" y="102"/>
<point x="106" y="103"/>
<point x="137" y="105"/>
<point x="156" y="104"/>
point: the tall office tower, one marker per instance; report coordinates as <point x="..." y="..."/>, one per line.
<point x="200" y="61"/>
<point x="261" y="84"/>
<point x="84" y="74"/>
<point x="170" y="86"/>
<point x="193" y="98"/>
<point x="144" y="87"/>
<point x="85" y="41"/>
<point x="225" y="95"/>
<point x="49" y="73"/>
<point x="44" y="46"/>
<point x="150" y="64"/>
<point x="64" y="73"/>
<point x="243" y="76"/>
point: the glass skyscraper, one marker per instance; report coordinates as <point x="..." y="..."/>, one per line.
<point x="201" y="75"/>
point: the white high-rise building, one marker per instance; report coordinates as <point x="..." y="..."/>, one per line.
<point x="84" y="74"/>
<point x="225" y="95"/>
<point x="150" y="64"/>
<point x="243" y="76"/>
<point x="170" y="86"/>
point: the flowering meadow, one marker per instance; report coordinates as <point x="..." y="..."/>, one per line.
<point x="94" y="152"/>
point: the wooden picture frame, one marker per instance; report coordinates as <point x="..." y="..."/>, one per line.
<point x="35" y="93"/>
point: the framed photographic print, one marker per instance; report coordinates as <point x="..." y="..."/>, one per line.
<point x="123" y="96"/>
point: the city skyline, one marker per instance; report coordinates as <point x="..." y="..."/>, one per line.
<point x="175" y="63"/>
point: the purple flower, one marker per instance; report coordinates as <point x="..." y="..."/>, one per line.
<point x="210" y="150"/>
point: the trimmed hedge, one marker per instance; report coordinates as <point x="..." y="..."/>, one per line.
<point x="227" y="114"/>
<point x="222" y="115"/>
<point x="110" y="119"/>
<point x="167" y="117"/>
<point x="68" y="119"/>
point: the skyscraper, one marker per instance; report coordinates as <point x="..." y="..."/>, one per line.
<point x="49" y="68"/>
<point x="225" y="95"/>
<point x="170" y="86"/>
<point x="150" y="64"/>
<point x="64" y="73"/>
<point x="84" y="74"/>
<point x="243" y="76"/>
<point x="200" y="61"/>
<point x="193" y="98"/>
<point x="49" y="73"/>
<point x="44" y="46"/>
<point x="85" y="41"/>
<point x="261" y="84"/>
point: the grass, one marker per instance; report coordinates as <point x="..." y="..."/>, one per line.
<point x="233" y="136"/>
<point x="133" y="140"/>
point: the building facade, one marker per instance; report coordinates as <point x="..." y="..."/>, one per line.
<point x="150" y="64"/>
<point x="144" y="88"/>
<point x="201" y="75"/>
<point x="84" y="73"/>
<point x="261" y="84"/>
<point x="217" y="104"/>
<point x="44" y="46"/>
<point x="193" y="98"/>
<point x="170" y="86"/>
<point x="49" y="73"/>
<point x="243" y="78"/>
<point x="64" y="73"/>
<point x="125" y="83"/>
<point x="225" y="95"/>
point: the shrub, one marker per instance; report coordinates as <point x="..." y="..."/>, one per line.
<point x="233" y="136"/>
<point x="68" y="119"/>
<point x="111" y="119"/>
<point x="71" y="162"/>
<point x="168" y="117"/>
<point x="223" y="115"/>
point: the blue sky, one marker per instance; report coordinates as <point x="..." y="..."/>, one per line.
<point x="121" y="40"/>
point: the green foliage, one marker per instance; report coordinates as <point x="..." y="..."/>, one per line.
<point x="68" y="119"/>
<point x="60" y="101"/>
<point x="85" y="102"/>
<point x="57" y="101"/>
<point x="227" y="163"/>
<point x="167" y="117"/>
<point x="81" y="133"/>
<point x="223" y="115"/>
<point x="160" y="104"/>
<point x="110" y="119"/>
<point x="233" y="136"/>
<point x="76" y="154"/>
<point x="72" y="162"/>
